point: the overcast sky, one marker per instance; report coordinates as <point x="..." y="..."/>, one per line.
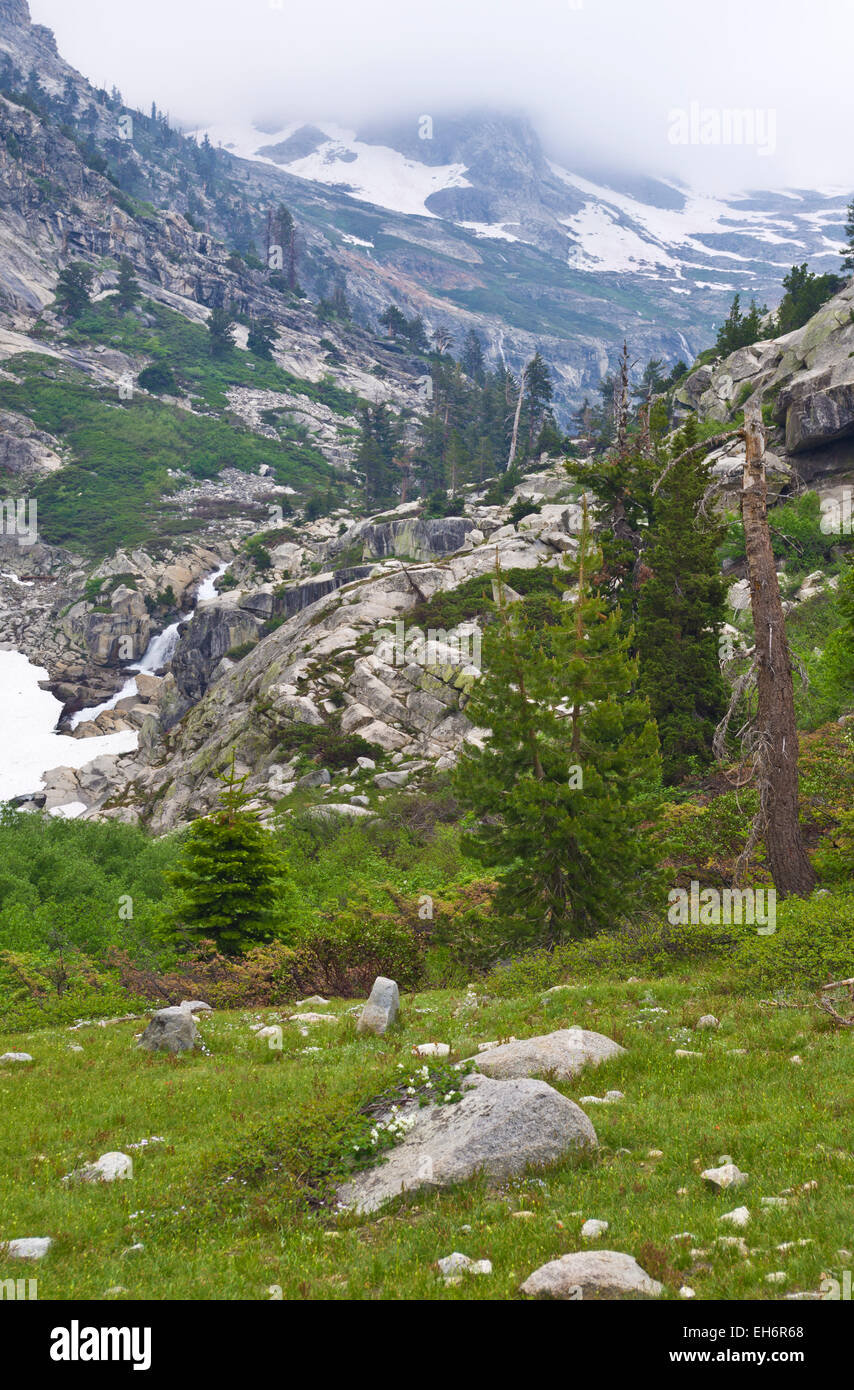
<point x="604" y="81"/>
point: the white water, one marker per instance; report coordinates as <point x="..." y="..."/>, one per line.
<point x="29" y="715"/>
<point x="30" y="743"/>
<point x="159" y="651"/>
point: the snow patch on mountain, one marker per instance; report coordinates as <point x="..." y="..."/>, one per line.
<point x="616" y="232"/>
<point x="372" y="173"/>
<point x="495" y="231"/>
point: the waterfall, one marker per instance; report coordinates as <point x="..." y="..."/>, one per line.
<point x="158" y="653"/>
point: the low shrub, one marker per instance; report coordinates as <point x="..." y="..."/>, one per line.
<point x="813" y="944"/>
<point x="51" y="988"/>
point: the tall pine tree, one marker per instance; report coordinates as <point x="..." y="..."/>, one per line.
<point x="680" y="611"/>
<point x="554" y="791"/>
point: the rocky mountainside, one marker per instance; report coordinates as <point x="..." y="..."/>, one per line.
<point x="345" y="672"/>
<point x="333" y="660"/>
<point x="471" y="227"/>
<point x="805" y="380"/>
<point x="345" y="666"/>
<point x="483" y="221"/>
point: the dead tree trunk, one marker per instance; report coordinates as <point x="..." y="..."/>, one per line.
<point x="777" y="745"/>
<point x="621" y="401"/>
<point x="512" y="455"/>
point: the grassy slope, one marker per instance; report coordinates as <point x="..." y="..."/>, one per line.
<point x="218" y="1209"/>
<point x="113" y="489"/>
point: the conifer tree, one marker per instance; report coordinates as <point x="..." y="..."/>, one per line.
<point x="221" y="329"/>
<point x="73" y="288"/>
<point x="848" y="252"/>
<point x="227" y="873"/>
<point x="127" y="289"/>
<point x="554" y="791"/>
<point x="261" y="338"/>
<point x="680" y="611"/>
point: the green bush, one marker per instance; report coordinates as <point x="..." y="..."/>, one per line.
<point x="59" y="986"/>
<point x="344" y="952"/>
<point x="813" y="944"/>
<point x="650" y="946"/>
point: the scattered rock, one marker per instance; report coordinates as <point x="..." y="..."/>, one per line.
<point x="562" y="1055"/>
<point x="170" y="1030"/>
<point x="684" y="1052"/>
<point x="195" y="1006"/>
<point x="382" y="1007"/>
<point x="592" y="1274"/>
<point x="738" y="1217"/>
<point x="726" y="1176"/>
<point x="498" y="1128"/>
<point x="708" y="1021"/>
<point x="431" y="1049"/>
<point x="110" y="1167"/>
<point x="27" y="1248"/>
<point x="451" y="1266"/>
<point x="686" y="1291"/>
<point x="779" y="1276"/>
<point x="593" y="1229"/>
<point x="16" y="1057"/>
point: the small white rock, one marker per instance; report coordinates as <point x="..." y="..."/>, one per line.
<point x="686" y="1291"/>
<point x="431" y="1049"/>
<point x="16" y="1057"/>
<point x="27" y="1248"/>
<point x="593" y="1229"/>
<point x="779" y="1276"/>
<point x="110" y="1167"/>
<point x="728" y="1175"/>
<point x="738" y="1217"/>
<point x="708" y="1021"/>
<point x="451" y="1266"/>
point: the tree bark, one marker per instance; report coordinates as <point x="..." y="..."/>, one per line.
<point x="790" y="867"/>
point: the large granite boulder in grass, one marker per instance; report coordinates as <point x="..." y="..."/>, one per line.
<point x="381" y="1009"/>
<point x="592" y="1274"/>
<point x="499" y="1128"/>
<point x="562" y="1055"/>
<point x="170" y="1030"/>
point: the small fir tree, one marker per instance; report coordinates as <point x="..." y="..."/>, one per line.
<point x="228" y="874"/>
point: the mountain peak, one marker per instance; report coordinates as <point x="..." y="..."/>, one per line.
<point x="15" y="11"/>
